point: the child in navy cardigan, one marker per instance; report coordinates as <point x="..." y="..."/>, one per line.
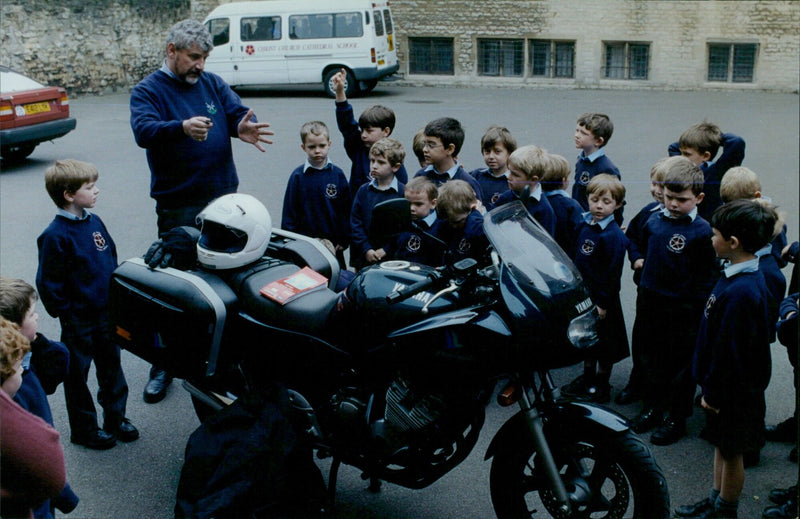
<point x="416" y="245"/>
<point x="678" y="272"/>
<point x="569" y="213"/>
<point x="600" y="255"/>
<point x="700" y="144"/>
<point x="460" y="223"/>
<point x="497" y="144"/>
<point x="76" y="259"/>
<point x="732" y="361"/>
<point x="526" y="166"/>
<point x="633" y="389"/>
<point x="317" y="200"/>
<point x="386" y="157"/>
<point x="44" y="368"/>
<point x="592" y="133"/>
<point x="374" y="123"/>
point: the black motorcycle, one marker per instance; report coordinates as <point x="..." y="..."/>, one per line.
<point x="393" y="374"/>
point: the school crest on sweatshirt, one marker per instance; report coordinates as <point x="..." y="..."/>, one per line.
<point x="677" y="243"/>
<point x="587" y="247"/>
<point x="414" y="243"/>
<point x="99" y="241"/>
<point x="710" y="303"/>
<point x="331" y="191"/>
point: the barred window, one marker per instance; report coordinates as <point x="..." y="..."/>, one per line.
<point x="430" y="56"/>
<point x="626" y="60"/>
<point x="732" y="62"/>
<point x="501" y="57"/>
<point x="552" y="58"/>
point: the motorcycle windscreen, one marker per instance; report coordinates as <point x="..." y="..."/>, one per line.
<point x="529" y="252"/>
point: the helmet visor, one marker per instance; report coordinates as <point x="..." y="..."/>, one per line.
<point x="219" y="238"/>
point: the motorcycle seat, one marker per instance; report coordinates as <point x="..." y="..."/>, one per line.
<point x="308" y="313"/>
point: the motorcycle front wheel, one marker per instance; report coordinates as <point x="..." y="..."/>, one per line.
<point x="612" y="476"/>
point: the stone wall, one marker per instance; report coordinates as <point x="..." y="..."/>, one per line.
<point x="109" y="45"/>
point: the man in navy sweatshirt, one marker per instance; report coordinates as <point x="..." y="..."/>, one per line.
<point x="185" y="118"/>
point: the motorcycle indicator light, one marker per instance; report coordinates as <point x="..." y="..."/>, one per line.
<point x="125" y="334"/>
<point x="509" y="395"/>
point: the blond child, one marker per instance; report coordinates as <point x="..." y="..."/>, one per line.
<point x="526" y="166"/>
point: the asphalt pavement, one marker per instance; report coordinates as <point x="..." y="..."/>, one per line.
<point x="138" y="480"/>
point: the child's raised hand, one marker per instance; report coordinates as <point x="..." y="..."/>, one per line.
<point x="338" y="82"/>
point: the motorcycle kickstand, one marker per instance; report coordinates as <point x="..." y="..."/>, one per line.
<point x="333" y="474"/>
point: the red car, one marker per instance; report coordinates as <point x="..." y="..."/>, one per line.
<point x="30" y="113"/>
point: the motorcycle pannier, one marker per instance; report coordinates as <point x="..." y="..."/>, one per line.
<point x="195" y="304"/>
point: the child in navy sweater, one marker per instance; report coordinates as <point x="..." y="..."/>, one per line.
<point x="43" y="369"/>
<point x="460" y="223"/>
<point x="600" y="255"/>
<point x="76" y="259"/>
<point x="497" y="144"/>
<point x="317" y="200"/>
<point x="525" y="167"/>
<point x="639" y="340"/>
<point x="374" y="123"/>
<point x="678" y="272"/>
<point x="386" y="158"/>
<point x="415" y="245"/>
<point x="569" y="213"/>
<point x="732" y="361"/>
<point x="592" y="133"/>
<point x="443" y="140"/>
<point x="700" y="144"/>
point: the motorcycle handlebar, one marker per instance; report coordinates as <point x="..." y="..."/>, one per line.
<point x="414" y="288"/>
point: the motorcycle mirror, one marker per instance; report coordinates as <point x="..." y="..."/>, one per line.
<point x="389" y="218"/>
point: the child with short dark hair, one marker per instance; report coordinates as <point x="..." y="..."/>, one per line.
<point x="633" y="389"/>
<point x="497" y="144"/>
<point x="592" y="133"/>
<point x="732" y="361"/>
<point x="317" y="201"/>
<point x="700" y="143"/>
<point x="678" y="272"/>
<point x="460" y="224"/>
<point x="526" y="166"/>
<point x="386" y="158"/>
<point x="76" y="259"/>
<point x="374" y="123"/>
<point x="44" y="368"/>
<point x="415" y="245"/>
<point x="600" y="255"/>
<point x="554" y="182"/>
<point x="443" y="140"/>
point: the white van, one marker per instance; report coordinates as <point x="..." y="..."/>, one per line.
<point x="274" y="42"/>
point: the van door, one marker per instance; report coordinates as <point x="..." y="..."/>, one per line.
<point x="221" y="61"/>
<point x="261" y="51"/>
<point x="317" y="40"/>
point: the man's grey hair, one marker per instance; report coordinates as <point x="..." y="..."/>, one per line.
<point x="187" y="33"/>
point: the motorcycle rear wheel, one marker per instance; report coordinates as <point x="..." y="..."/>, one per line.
<point x="602" y="476"/>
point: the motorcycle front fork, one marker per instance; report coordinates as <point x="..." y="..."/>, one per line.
<point x="543" y="453"/>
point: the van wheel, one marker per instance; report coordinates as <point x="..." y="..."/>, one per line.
<point x="18" y="153"/>
<point x="350" y="84"/>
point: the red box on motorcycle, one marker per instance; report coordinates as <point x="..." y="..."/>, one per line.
<point x="196" y="304"/>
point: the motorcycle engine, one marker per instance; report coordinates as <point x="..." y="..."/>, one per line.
<point x="406" y="411"/>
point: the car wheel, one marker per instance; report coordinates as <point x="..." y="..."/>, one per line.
<point x="16" y="153"/>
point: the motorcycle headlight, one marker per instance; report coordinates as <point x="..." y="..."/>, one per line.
<point x="582" y="331"/>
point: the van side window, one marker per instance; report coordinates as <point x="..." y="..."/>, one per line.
<point x="317" y="26"/>
<point x="387" y="18"/>
<point x="261" y="28"/>
<point x="220" y="30"/>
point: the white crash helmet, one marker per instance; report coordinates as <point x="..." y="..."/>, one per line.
<point x="235" y="231"/>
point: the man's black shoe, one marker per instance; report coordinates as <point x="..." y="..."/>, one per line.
<point x="668" y="432"/>
<point x="786" y="431"/>
<point x="156" y="388"/>
<point x="98" y="440"/>
<point x="647" y="419"/>
<point x="125" y="431"/>
<point x="781" y="495"/>
<point x="695" y="509"/>
<point x="787" y="510"/>
<point x="627" y="396"/>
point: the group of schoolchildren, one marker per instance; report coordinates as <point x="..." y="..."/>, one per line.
<point x="708" y="276"/>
